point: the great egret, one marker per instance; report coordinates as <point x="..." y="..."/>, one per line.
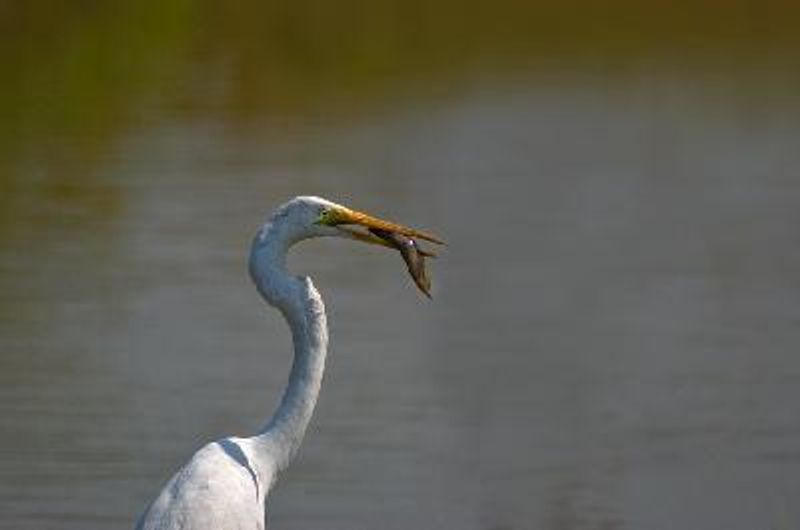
<point x="225" y="484"/>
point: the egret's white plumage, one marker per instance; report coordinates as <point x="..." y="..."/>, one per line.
<point x="225" y="484"/>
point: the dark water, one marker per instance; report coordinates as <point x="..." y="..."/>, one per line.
<point x="613" y="340"/>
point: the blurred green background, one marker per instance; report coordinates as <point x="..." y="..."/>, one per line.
<point x="78" y="75"/>
<point x="613" y="338"/>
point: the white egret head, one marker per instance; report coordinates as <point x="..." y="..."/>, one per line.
<point x="308" y="217"/>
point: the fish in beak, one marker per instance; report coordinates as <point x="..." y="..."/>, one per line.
<point x="388" y="234"/>
<point x="412" y="255"/>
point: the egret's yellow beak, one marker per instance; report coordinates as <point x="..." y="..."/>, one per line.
<point x="348" y="221"/>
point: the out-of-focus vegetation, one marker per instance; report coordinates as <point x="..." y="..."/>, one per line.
<point x="78" y="74"/>
<point x="73" y="79"/>
<point x="89" y="65"/>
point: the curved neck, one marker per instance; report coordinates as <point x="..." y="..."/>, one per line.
<point x="304" y="311"/>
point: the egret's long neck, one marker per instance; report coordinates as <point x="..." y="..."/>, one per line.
<point x="304" y="311"/>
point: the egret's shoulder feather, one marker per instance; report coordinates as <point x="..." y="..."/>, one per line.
<point x="219" y="488"/>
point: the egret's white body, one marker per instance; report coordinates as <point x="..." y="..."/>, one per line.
<point x="225" y="484"/>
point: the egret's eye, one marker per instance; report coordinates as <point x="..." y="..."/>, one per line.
<point x="324" y="216"/>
